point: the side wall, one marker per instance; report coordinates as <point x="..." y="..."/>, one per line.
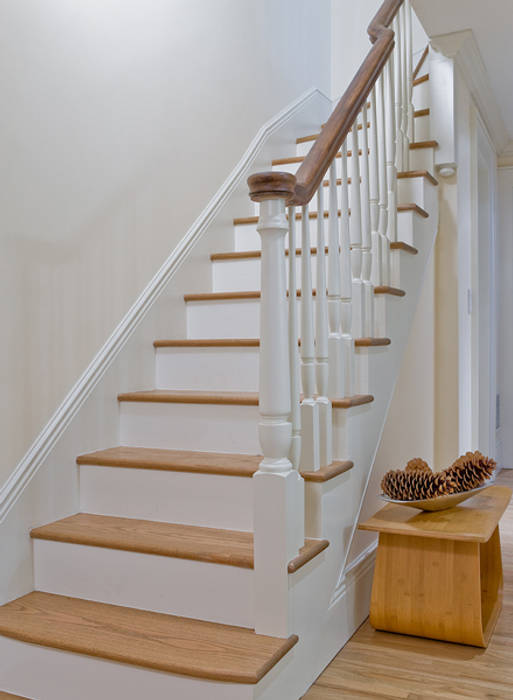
<point x="119" y="122"/>
<point x="505" y="313"/>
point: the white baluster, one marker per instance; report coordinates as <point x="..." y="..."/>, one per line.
<point x="310" y="448"/>
<point x="404" y="90"/>
<point x="390" y="130"/>
<point x="409" y="72"/>
<point x="346" y="276"/>
<point x="336" y="357"/>
<point x="377" y="267"/>
<point x="398" y="94"/>
<point x="321" y="340"/>
<point x="383" y="187"/>
<point x="355" y="228"/>
<point x="295" y="381"/>
<point x="278" y="489"/>
<point x="368" y="290"/>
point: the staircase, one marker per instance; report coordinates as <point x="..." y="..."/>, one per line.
<point x="195" y="570"/>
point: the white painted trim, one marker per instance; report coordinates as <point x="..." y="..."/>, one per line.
<point x="505" y="157"/>
<point x="46" y="440"/>
<point x="355" y="571"/>
<point x="463" y="48"/>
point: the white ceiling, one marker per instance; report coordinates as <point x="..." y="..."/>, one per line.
<point x="491" y="22"/>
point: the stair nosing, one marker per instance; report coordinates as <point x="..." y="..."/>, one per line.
<point x="119" y="624"/>
<point x="173" y="540"/>
<point x="247" y="342"/>
<point x="112" y="458"/>
<point x="230" y="398"/>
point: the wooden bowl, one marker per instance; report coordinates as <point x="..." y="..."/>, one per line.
<point x="440" y="502"/>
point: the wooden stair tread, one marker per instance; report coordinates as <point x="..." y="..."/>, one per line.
<point x="405" y="174"/>
<point x="400" y="245"/>
<point x="228" y="547"/>
<point x="414" y="208"/>
<point x="313" y="137"/>
<point x="255" y="254"/>
<point x="224" y="464"/>
<point x="250" y="220"/>
<point x="244" y="342"/>
<point x="422" y="79"/>
<point x="234" y="296"/>
<point x="424" y="144"/>
<point x="420" y="62"/>
<point x="152" y="640"/>
<point x="394" y="291"/>
<point x="231" y="398"/>
<point x="205" y="544"/>
<point x="299" y="159"/>
<point x="8" y="696"/>
<point x="422" y="112"/>
<point x="243" y="220"/>
<point x="371" y="342"/>
<point x="227" y="464"/>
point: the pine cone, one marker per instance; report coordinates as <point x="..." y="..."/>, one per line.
<point x="415" y="485"/>
<point x="418" y="464"/>
<point x="470" y="471"/>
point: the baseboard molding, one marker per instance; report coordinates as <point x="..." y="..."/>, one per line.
<point x="357" y="569"/>
<point x="49" y="436"/>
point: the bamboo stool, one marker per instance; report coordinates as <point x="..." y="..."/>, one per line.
<point x="439" y="574"/>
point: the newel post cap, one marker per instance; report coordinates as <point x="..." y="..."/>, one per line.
<point x="271" y="185"/>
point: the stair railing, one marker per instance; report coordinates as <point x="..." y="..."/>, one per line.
<point x="375" y="116"/>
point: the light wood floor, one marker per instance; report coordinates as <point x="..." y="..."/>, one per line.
<point x="382" y="665"/>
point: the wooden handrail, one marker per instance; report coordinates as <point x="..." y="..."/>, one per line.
<point x="312" y="170"/>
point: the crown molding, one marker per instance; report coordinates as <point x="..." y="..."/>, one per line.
<point x="463" y="49"/>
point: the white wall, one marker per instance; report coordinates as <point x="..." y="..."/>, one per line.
<point x="119" y="120"/>
<point x="350" y="42"/>
<point x="505" y="313"/>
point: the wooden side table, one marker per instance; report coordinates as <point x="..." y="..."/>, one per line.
<point x="439" y="574"/>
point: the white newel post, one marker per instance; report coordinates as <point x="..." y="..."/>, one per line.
<point x="277" y="487"/>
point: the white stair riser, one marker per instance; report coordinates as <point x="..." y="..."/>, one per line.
<point x="240" y="318"/>
<point x="421" y="96"/>
<point x="236" y="275"/>
<point x="205" y="591"/>
<point x="50" y="674"/>
<point x="422" y="128"/>
<point x="207" y="369"/>
<point x="422" y="159"/>
<point x="206" y="500"/>
<point x="204" y="427"/>
<point x="239" y="364"/>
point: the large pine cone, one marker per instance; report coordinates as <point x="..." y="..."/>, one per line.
<point x="418" y="464"/>
<point x="470" y="471"/>
<point x="415" y="485"/>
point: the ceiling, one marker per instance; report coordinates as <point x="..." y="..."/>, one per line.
<point x="491" y="23"/>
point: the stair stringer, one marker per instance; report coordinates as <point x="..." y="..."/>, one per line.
<point x="330" y="596"/>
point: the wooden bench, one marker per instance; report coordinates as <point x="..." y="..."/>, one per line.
<point x="439" y="574"/>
